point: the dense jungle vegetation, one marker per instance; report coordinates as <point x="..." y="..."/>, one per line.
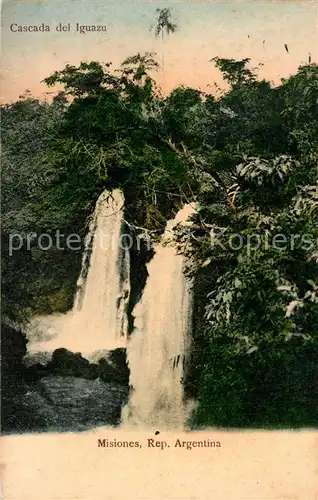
<point x="248" y="157"/>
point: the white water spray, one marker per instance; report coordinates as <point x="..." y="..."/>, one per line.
<point x="158" y="346"/>
<point x="98" y="320"/>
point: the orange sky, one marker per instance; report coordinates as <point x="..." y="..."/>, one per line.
<point x="234" y="29"/>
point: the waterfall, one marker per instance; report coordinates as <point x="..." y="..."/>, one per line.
<point x="158" y="345"/>
<point x="102" y="294"/>
<point x="98" y="320"/>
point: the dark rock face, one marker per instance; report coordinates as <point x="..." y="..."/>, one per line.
<point x="66" y="363"/>
<point x="72" y="404"/>
<point x="140" y="255"/>
<point x="62" y="404"/>
<point x="115" y="367"/>
<point x="67" y="394"/>
<point x="13" y="348"/>
<point x="112" y="368"/>
<point x="13" y="384"/>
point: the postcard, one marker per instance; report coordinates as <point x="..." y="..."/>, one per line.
<point x="159" y="250"/>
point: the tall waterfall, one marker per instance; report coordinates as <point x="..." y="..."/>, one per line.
<point x="159" y="343"/>
<point x="98" y="320"/>
<point x="99" y="303"/>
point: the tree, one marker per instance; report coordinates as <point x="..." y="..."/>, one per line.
<point x="248" y="158"/>
<point x="164" y="25"/>
<point x="235" y="71"/>
<point x="139" y="65"/>
<point x="260" y="321"/>
<point x="29" y="177"/>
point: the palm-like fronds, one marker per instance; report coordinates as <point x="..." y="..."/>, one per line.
<point x="164" y="23"/>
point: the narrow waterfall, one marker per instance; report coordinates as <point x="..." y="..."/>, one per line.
<point x="99" y="303"/>
<point x="158" y="344"/>
<point x="98" y="320"/>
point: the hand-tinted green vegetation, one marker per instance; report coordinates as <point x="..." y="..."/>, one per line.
<point x="248" y="157"/>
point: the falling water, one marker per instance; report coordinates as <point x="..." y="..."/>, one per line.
<point x="98" y="320"/>
<point x="158" y="345"/>
<point x="98" y="307"/>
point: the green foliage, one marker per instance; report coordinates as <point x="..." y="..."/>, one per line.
<point x="28" y="174"/>
<point x="235" y="72"/>
<point x="249" y="158"/>
<point x="87" y="78"/>
<point x="139" y="65"/>
<point x="253" y="354"/>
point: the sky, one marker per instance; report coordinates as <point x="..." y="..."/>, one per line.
<point x="234" y="29"/>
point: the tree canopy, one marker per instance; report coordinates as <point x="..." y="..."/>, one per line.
<point x="248" y="157"/>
